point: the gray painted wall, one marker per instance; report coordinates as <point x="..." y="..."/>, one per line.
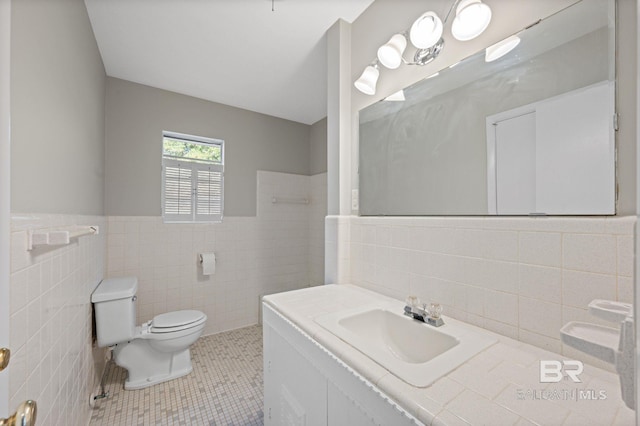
<point x="136" y="115"/>
<point x="318" y="147"/>
<point x="57" y="109"/>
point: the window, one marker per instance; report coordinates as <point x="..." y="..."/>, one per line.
<point x="192" y="178"/>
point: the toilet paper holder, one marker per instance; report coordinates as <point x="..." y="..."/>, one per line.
<point x="208" y="263"/>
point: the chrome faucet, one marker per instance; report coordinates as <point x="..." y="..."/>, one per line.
<point x="431" y="315"/>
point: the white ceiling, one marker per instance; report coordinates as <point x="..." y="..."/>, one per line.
<point x="235" y="52"/>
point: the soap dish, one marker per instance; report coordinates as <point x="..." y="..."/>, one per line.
<point x="595" y="340"/>
<point x="609" y="310"/>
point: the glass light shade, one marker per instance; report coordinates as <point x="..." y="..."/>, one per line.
<point x="501" y="48"/>
<point x="472" y="18"/>
<point x="426" y="30"/>
<point x="390" y="54"/>
<point x="368" y="80"/>
<point x="397" y="96"/>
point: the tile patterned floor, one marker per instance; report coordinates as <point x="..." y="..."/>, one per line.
<point x="225" y="388"/>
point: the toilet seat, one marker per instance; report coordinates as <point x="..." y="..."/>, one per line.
<point x="176" y="321"/>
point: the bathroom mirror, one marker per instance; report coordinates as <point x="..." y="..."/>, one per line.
<point x="529" y="133"/>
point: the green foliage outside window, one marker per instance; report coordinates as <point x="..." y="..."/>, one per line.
<point x="195" y="151"/>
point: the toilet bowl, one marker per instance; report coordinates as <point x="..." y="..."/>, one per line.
<point x="152" y="353"/>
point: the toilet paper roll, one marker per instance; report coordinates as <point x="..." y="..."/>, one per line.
<point x="208" y="262"/>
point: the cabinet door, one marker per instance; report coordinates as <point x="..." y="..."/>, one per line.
<point x="295" y="392"/>
<point x="342" y="410"/>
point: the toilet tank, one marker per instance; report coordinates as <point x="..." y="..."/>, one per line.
<point x="115" y="310"/>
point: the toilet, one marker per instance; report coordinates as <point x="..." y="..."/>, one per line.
<point x="152" y="353"/>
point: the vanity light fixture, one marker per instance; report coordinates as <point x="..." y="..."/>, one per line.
<point x="501" y="48"/>
<point x="368" y="80"/>
<point x="472" y="18"/>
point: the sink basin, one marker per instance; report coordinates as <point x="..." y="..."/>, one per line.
<point x="409" y="341"/>
<point x="415" y="352"/>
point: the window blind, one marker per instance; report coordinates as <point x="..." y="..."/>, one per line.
<point x="208" y="194"/>
<point x="192" y="192"/>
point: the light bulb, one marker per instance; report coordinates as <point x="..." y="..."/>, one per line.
<point x="426" y="30"/>
<point x="368" y="80"/>
<point x="390" y="54"/>
<point x="472" y="18"/>
<point x="501" y="48"/>
<point x="397" y="96"/>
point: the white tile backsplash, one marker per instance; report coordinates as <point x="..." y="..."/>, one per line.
<point x="53" y="359"/>
<point x="540" y="282"/>
<point x="540" y="248"/>
<point x="590" y="253"/>
<point x="625" y="289"/>
<point x="625" y="255"/>
<point x="520" y="277"/>
<point x="540" y="317"/>
<point x="580" y="288"/>
<point x="499" y="245"/>
<point x="501" y="307"/>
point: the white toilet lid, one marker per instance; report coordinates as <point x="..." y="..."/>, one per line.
<point x="177" y="320"/>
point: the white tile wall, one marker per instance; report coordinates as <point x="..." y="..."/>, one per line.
<point x="52" y="359"/>
<point x="521" y="277"/>
<point x="278" y="250"/>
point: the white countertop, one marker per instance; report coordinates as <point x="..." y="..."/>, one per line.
<point x="499" y="386"/>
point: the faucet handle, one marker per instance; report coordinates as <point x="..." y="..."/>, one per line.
<point x="434" y="310"/>
<point x="412" y="301"/>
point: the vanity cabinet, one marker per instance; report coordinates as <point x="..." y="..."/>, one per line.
<point x="295" y="391"/>
<point x="304" y="384"/>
